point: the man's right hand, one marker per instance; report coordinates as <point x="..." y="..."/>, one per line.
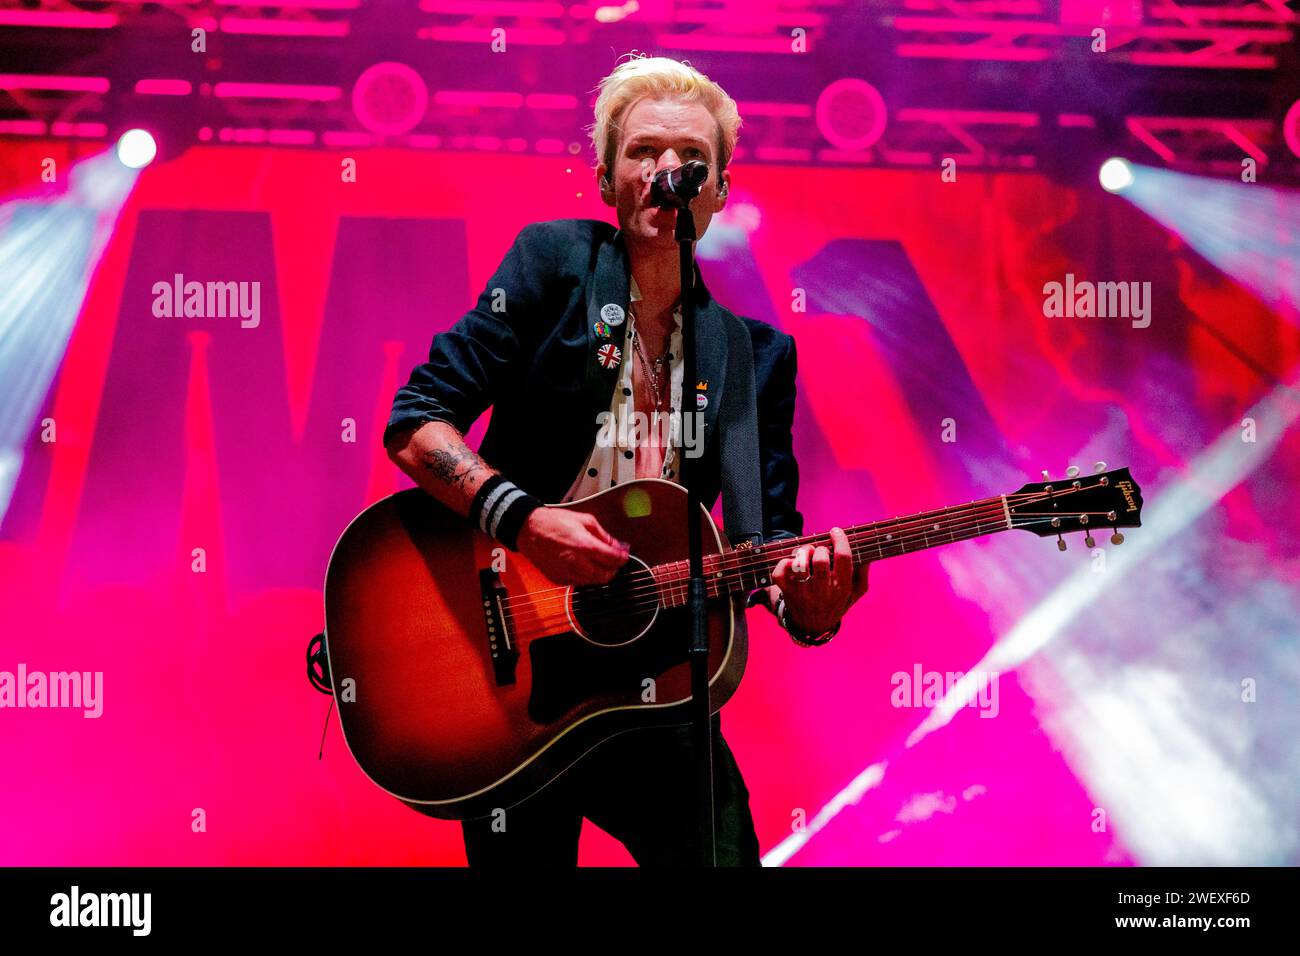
<point x="570" y="547"/>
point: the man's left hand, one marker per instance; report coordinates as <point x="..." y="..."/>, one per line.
<point x="820" y="585"/>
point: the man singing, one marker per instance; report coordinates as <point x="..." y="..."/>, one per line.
<point x="578" y="321"/>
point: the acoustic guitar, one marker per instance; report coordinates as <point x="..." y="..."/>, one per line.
<point x="466" y="680"/>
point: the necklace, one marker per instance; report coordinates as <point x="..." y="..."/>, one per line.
<point x="652" y="368"/>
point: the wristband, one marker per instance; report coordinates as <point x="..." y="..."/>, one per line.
<point x="802" y="638"/>
<point x="500" y="509"/>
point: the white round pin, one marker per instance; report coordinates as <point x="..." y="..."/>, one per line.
<point x="612" y="313"/>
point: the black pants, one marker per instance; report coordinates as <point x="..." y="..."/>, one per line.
<point x="639" y="787"/>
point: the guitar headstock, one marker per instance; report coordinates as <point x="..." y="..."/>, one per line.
<point x="1103" y="500"/>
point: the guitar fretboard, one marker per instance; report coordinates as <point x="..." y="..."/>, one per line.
<point x="751" y="568"/>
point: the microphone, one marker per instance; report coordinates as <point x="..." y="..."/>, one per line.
<point x="675" y="188"/>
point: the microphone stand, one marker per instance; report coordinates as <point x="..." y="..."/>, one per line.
<point x="700" y="709"/>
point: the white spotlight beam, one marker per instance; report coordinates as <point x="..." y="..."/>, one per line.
<point x="48" y="250"/>
<point x="1249" y="230"/>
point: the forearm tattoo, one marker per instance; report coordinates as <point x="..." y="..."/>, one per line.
<point x="454" y="464"/>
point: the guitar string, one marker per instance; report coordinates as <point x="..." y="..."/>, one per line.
<point x="677" y="585"/>
<point x="531" y="626"/>
<point x="757" y="559"/>
<point x="675" y="596"/>
<point x="672" y="580"/>
<point x="861" y="551"/>
<point x="740" y="561"/>
<point x="620" y="606"/>
<point x="675" y="589"/>
<point x="747" y="560"/>
<point x="743" y="560"/>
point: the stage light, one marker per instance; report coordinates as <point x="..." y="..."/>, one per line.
<point x="136" y="149"/>
<point x="851" y="114"/>
<point x="49" y="248"/>
<point x="390" y="99"/>
<point x="1291" y="128"/>
<point x="1116" y="175"/>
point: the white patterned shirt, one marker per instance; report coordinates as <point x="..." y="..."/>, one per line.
<point x="620" y="440"/>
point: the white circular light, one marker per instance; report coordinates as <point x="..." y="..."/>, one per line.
<point x="1116" y="175"/>
<point x="136" y="149"/>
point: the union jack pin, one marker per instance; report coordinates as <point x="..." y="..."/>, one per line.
<point x="609" y="355"/>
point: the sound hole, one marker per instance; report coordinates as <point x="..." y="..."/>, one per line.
<point x="619" y="612"/>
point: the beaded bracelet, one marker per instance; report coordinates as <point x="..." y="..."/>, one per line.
<point x="799" y="637"/>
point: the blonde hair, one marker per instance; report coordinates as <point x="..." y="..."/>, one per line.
<point x="659" y="77"/>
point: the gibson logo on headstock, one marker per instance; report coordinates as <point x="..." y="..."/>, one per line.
<point x="1126" y="489"/>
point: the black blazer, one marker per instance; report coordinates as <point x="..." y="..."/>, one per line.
<point x="534" y="362"/>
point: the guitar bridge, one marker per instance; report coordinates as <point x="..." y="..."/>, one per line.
<point x="498" y="625"/>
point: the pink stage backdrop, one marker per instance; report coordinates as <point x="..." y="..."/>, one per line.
<point x="929" y="374"/>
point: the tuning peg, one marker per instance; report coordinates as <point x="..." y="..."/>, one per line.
<point x="1116" y="538"/>
<point x="1046" y="475"/>
<point x="1060" y="543"/>
<point x="1090" y="541"/>
<point x="1072" y="471"/>
<point x="1099" y="467"/>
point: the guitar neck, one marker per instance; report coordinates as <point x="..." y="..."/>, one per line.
<point x="745" y="570"/>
